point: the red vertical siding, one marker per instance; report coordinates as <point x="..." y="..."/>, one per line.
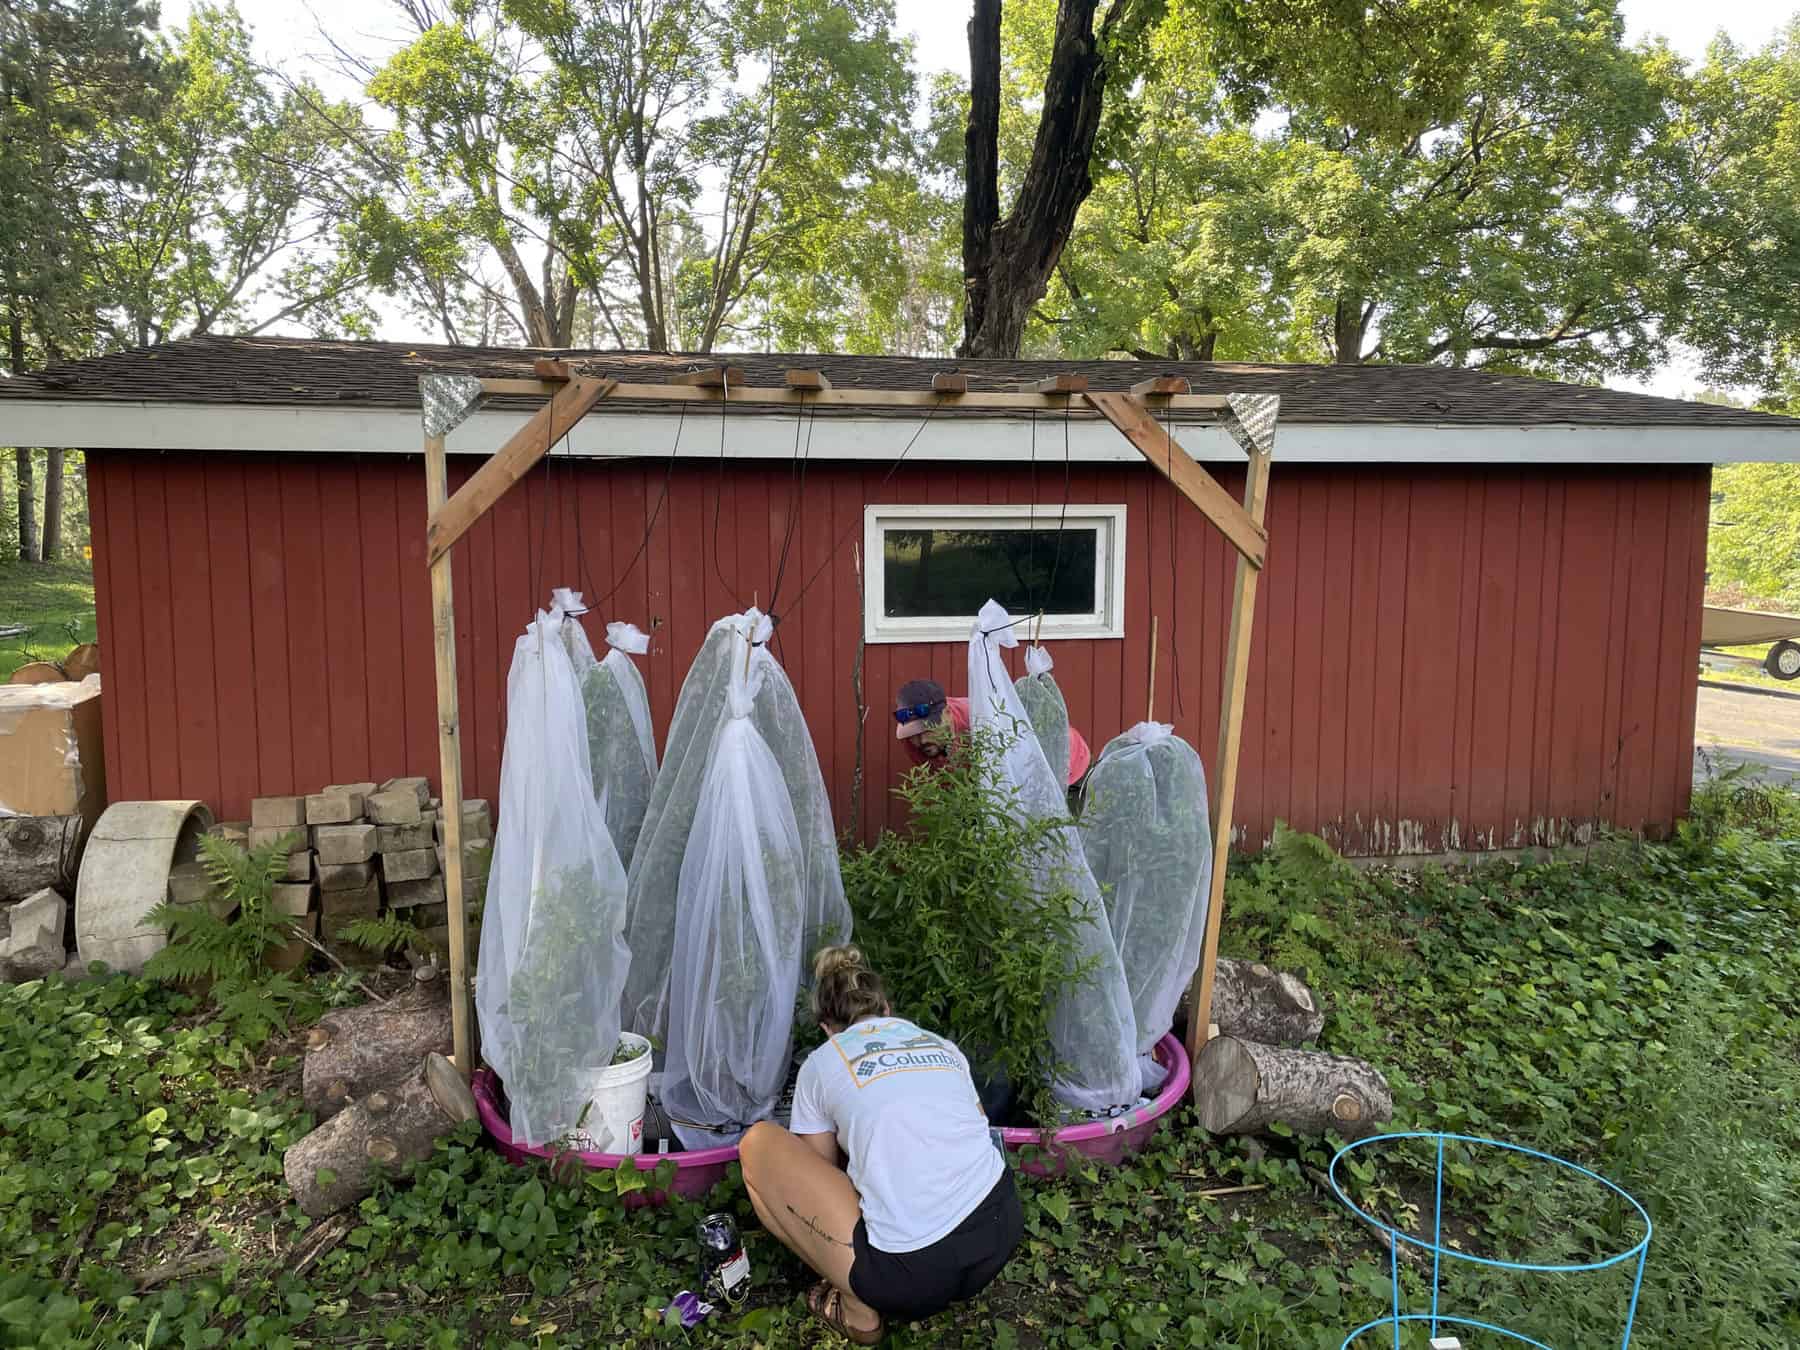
<point x="1449" y="657"/>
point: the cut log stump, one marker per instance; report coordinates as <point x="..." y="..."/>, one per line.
<point x="337" y="1164"/>
<point x="38" y="851"/>
<point x="1271" y="1007"/>
<point x="356" y="1050"/>
<point x="1242" y="1087"/>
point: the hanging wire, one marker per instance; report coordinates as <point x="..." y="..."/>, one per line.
<point x="796" y="492"/>
<point x="1062" y="519"/>
<point x="537" y="575"/>
<point x="719" y="498"/>
<point x="1174" y="569"/>
<point x="855" y="525"/>
<point x="649" y="529"/>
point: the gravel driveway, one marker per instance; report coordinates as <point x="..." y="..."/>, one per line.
<point x="1746" y="726"/>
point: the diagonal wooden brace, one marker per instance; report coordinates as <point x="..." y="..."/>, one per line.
<point x="512" y="462"/>
<point x="1145" y="433"/>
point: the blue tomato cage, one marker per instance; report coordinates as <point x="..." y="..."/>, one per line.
<point x="1639" y="1250"/>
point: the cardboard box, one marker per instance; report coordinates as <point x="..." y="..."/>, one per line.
<point x="51" y="760"/>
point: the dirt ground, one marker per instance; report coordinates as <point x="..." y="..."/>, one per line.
<point x="1748" y="725"/>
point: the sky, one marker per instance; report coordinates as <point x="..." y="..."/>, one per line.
<point x="288" y="32"/>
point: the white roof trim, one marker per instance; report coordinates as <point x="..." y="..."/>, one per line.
<point x="151" y="426"/>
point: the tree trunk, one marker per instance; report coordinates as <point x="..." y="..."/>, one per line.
<point x="981" y="160"/>
<point x="1256" y="1003"/>
<point x="336" y="1165"/>
<point x="38" y="852"/>
<point x="53" y="504"/>
<point x="356" y="1050"/>
<point x="1349" y="327"/>
<point x="1007" y="263"/>
<point x="1241" y="1087"/>
<point x="27" y="507"/>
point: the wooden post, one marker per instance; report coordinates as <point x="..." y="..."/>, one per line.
<point x="1231" y="726"/>
<point x="443" y="625"/>
<point x="1150" y="708"/>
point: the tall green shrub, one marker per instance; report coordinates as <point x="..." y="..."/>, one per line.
<point x="948" y="916"/>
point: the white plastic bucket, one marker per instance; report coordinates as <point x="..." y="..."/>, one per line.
<point x="615" y="1120"/>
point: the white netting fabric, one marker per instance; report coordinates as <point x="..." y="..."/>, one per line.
<point x="553" y="959"/>
<point x="701" y="715"/>
<point x="739" y="934"/>
<point x="1093" y="1028"/>
<point x="1048" y="712"/>
<point x="621" y="744"/>
<point x="1148" y="836"/>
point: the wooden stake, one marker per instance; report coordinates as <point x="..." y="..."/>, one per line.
<point x="949" y="382"/>
<point x="713" y="377"/>
<point x="808" y="379"/>
<point x="443" y="626"/>
<point x="1231" y="729"/>
<point x="1150" y="712"/>
<point x="1057" y="384"/>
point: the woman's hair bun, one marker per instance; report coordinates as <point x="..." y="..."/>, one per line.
<point x="835" y="960"/>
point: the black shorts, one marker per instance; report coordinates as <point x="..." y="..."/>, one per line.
<point x="907" y="1286"/>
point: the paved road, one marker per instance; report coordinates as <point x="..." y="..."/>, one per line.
<point x="1749" y="727"/>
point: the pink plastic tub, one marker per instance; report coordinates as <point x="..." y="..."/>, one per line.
<point x="1108" y="1142"/>
<point x="696" y="1171"/>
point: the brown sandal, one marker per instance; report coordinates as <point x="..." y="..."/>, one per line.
<point x="826" y="1302"/>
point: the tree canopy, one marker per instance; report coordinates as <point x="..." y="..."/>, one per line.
<point x="1496" y="183"/>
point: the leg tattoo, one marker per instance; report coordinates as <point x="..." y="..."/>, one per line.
<point x="813" y="1224"/>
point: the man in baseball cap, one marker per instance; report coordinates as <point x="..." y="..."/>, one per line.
<point x="927" y="722"/>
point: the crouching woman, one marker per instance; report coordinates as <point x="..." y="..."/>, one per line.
<point x="889" y="1184"/>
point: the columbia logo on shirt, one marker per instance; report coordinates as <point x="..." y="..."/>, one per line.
<point x="875" y="1051"/>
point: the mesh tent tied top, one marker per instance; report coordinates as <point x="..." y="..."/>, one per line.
<point x="1147" y="835"/>
<point x="1093" y="1027"/>
<point x="621" y="743"/>
<point x="701" y="712"/>
<point x="1048" y="711"/>
<point x="553" y="959"/>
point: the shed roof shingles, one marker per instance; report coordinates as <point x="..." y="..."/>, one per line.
<point x="271" y="371"/>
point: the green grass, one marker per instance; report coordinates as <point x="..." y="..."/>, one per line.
<point x="1635" y="1012"/>
<point x="55" y="602"/>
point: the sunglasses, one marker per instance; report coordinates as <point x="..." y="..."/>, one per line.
<point x="914" y="713"/>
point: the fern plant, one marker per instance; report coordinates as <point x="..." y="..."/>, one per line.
<point x="388" y="934"/>
<point x="229" y="952"/>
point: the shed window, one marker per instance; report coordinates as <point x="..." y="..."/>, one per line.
<point x="930" y="568"/>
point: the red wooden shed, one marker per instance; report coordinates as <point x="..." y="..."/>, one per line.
<point x="1478" y="626"/>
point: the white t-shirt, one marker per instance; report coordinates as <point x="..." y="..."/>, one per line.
<point x="907" y="1116"/>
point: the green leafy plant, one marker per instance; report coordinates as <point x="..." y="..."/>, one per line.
<point x="228" y="953"/>
<point x="389" y="933"/>
<point x="949" y="917"/>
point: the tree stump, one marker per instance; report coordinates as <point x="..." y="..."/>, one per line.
<point x="1241" y="1087"/>
<point x="38" y="852"/>
<point x="356" y="1050"/>
<point x="337" y="1164"/>
<point x="1256" y="1003"/>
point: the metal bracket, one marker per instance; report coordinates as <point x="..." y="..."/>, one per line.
<point x="446" y="400"/>
<point x="1251" y="421"/>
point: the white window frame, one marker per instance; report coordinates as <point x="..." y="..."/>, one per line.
<point x="1106" y="621"/>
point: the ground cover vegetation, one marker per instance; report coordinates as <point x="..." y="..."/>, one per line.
<point x="1630" y="1007"/>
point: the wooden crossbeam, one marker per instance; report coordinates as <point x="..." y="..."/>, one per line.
<point x="949" y="382"/>
<point x="549" y="368"/>
<point x="781" y="396"/>
<point x="808" y="379"/>
<point x="713" y="377"/>
<point x="512" y="461"/>
<point x="1145" y="433"/>
<point x="1163" y="386"/>
<point x="1057" y="384"/>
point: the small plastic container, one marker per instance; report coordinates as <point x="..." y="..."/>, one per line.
<point x="1109" y="1142"/>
